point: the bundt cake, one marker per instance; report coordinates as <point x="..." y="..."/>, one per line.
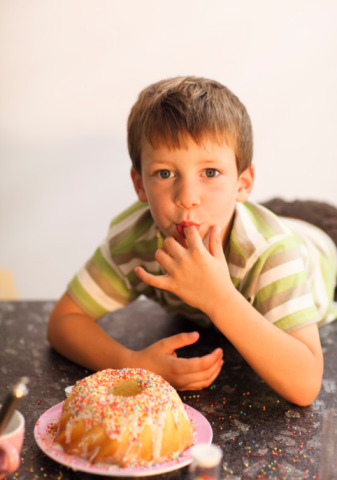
<point x="128" y="417"/>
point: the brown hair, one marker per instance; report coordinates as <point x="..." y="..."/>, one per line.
<point x="168" y="110"/>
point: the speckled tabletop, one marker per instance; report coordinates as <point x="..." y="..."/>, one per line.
<point x="261" y="434"/>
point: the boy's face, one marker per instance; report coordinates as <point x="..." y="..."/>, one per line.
<point x="197" y="184"/>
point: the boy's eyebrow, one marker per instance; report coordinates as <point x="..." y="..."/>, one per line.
<point x="203" y="161"/>
<point x="209" y="160"/>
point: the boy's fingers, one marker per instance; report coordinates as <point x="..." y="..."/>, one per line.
<point x="202" y="364"/>
<point x="192" y="236"/>
<point x="171" y="246"/>
<point x="164" y="258"/>
<point x="180" y="340"/>
<point x="215" y="242"/>
<point x="200" y="384"/>
<point x="201" y="379"/>
<point x="159" y="281"/>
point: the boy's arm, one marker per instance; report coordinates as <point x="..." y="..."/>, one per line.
<point x="77" y="336"/>
<point x="291" y="364"/>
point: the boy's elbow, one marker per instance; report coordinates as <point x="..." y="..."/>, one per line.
<point x="55" y="329"/>
<point x="51" y="331"/>
<point x="305" y="395"/>
<point x="303" y="400"/>
<point x="56" y="324"/>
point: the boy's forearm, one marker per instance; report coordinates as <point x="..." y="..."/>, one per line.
<point x="288" y="365"/>
<point x="82" y="341"/>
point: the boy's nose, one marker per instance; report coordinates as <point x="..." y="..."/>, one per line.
<point x="186" y="195"/>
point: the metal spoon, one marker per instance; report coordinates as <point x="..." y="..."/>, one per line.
<point x="14" y="397"/>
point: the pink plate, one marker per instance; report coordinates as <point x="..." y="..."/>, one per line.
<point x="44" y="436"/>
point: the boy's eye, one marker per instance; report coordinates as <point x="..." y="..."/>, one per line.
<point x="211" y="172"/>
<point x="164" y="173"/>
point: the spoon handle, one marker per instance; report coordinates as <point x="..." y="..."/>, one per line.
<point x="14" y="397"/>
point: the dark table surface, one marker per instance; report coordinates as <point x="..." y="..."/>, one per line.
<point x="261" y="434"/>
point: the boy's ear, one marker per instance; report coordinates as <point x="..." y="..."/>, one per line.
<point x="138" y="185"/>
<point x="245" y="184"/>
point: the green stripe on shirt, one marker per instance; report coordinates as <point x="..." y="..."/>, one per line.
<point x="304" y="317"/>
<point x="85" y="301"/>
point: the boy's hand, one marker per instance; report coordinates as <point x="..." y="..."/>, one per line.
<point x="182" y="373"/>
<point x="195" y="274"/>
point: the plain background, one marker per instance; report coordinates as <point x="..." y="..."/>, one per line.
<point x="70" y="71"/>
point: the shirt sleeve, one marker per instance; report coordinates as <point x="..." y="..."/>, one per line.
<point x="107" y="281"/>
<point x="279" y="288"/>
<point x="98" y="288"/>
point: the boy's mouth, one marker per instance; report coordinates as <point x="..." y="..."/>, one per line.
<point x="180" y="227"/>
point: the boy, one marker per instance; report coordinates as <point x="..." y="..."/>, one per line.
<point x="195" y="244"/>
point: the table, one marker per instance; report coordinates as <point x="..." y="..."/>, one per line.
<point x="261" y="434"/>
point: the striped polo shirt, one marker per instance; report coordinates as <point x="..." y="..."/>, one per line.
<point x="285" y="268"/>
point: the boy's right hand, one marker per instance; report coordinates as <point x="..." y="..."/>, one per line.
<point x="182" y="373"/>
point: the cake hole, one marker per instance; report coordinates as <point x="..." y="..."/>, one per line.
<point x="127" y="388"/>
